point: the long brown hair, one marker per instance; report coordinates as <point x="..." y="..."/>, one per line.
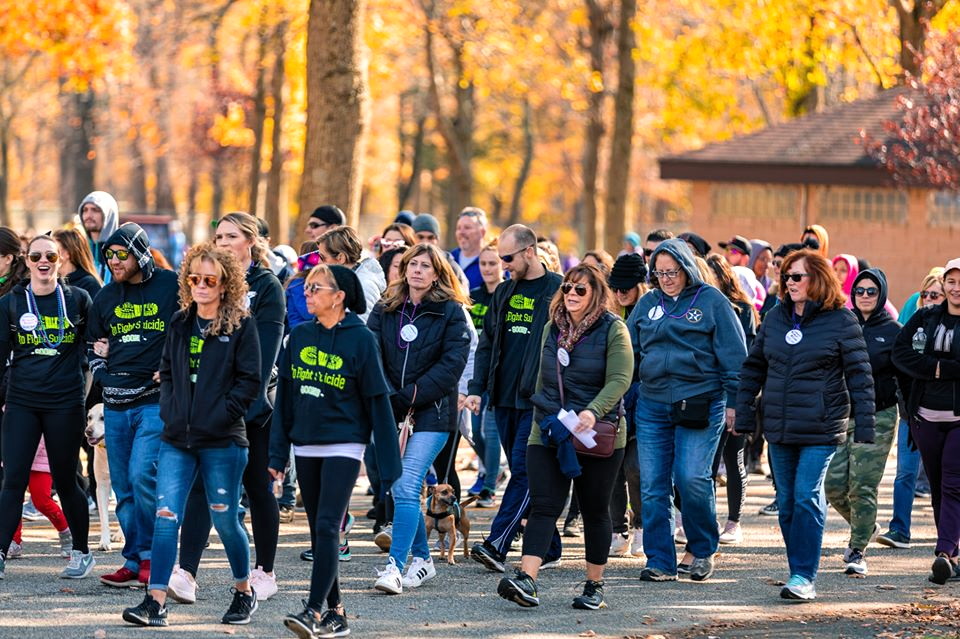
<point x="596" y="280"/>
<point x="251" y="230"/>
<point x="823" y="286"/>
<point x="10" y="245"/>
<point x="447" y="286"/>
<point x="75" y="244"/>
<point x="233" y="302"/>
<point x="729" y="283"/>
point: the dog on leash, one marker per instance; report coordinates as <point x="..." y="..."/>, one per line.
<point x="101" y="470"/>
<point x="448" y="516"/>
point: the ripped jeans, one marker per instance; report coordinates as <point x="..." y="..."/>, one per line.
<point x="221" y="470"/>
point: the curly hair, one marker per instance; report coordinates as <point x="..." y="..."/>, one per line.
<point x="233" y="297"/>
<point x="446" y="287"/>
<point x="251" y="230"/>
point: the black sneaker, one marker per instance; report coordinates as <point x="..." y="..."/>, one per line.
<point x="942" y="570"/>
<point x="241" y="608"/>
<point x="305" y="624"/>
<point x="592" y="597"/>
<point x="307" y="555"/>
<point x="520" y="589"/>
<point x="487" y="557"/>
<point x="148" y="613"/>
<point x="655" y="574"/>
<point x="332" y="624"/>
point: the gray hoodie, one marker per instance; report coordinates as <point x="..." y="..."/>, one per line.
<point x="371" y="277"/>
<point x="111" y="216"/>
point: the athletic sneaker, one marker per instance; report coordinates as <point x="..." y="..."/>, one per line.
<point x="15" y="551"/>
<point x="701" y="568"/>
<point x="287" y="514"/>
<point x="389" y="580"/>
<point x="636" y="546"/>
<point x="332" y="624"/>
<point x="683" y="568"/>
<point x="571" y="528"/>
<point x="592" y="597"/>
<point x="488" y="557"/>
<point x="66" y="543"/>
<point x="477" y="485"/>
<point x="799" y="589"/>
<point x="894" y="539"/>
<point x="307" y="555"/>
<point x="770" y="510"/>
<point x="485" y="499"/>
<point x="344" y="551"/>
<point x="942" y="569"/>
<point x="182" y="587"/>
<point x="618" y="545"/>
<point x="241" y="608"/>
<point x="521" y="589"/>
<point x="348" y="524"/>
<point x="148" y="612"/>
<point x="419" y="571"/>
<point x="732" y="533"/>
<point x="80" y="565"/>
<point x="263" y="584"/>
<point x="122" y="578"/>
<point x="655" y="574"/>
<point x="3" y="565"/>
<point x="384" y="538"/>
<point x="550" y="565"/>
<point x="30" y="512"/>
<point x="304" y="624"/>
<point x="856" y="563"/>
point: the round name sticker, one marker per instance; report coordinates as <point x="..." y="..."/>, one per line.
<point x="794" y="336"/>
<point x="409" y="333"/>
<point x="563" y="356"/>
<point x="29" y="321"/>
<point x="655" y="313"/>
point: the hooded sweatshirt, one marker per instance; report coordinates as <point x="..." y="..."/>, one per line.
<point x="269" y="309"/>
<point x="134" y="319"/>
<point x="853" y="269"/>
<point x="756" y="248"/>
<point x="880" y="332"/>
<point x="688" y="346"/>
<point x="111" y="212"/>
<point x="371" y="277"/>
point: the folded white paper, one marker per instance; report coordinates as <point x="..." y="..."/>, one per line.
<point x="570" y="420"/>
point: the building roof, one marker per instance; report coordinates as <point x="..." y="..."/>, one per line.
<point x="818" y="148"/>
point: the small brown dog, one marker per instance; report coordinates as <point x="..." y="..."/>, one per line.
<point x="448" y="516"/>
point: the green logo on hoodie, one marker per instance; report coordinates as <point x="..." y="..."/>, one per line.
<point x="311" y="356"/>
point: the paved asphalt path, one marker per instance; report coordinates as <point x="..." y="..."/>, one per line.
<point x="740" y="600"/>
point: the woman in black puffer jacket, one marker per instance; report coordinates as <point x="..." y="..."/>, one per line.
<point x="807" y="357"/>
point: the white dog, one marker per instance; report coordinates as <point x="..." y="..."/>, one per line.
<point x="101" y="470"/>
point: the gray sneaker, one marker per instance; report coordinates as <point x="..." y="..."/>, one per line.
<point x="66" y="543"/>
<point x="799" y="589"/>
<point x="3" y="565"/>
<point x="702" y="568"/>
<point x="80" y="566"/>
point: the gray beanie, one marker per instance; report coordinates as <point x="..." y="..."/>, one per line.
<point x="426" y="222"/>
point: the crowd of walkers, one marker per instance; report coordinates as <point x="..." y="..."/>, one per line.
<point x="628" y="388"/>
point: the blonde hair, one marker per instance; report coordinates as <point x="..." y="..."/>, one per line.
<point x="233" y="299"/>
<point x="928" y="281"/>
<point x="251" y="230"/>
<point x="446" y="287"/>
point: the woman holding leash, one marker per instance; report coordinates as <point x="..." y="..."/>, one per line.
<point x="424" y="338"/>
<point x="586" y="366"/>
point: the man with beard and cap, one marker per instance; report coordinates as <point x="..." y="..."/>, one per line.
<point x="99" y="215"/>
<point x="324" y="218"/>
<point x="699" y="246"/>
<point x="737" y="250"/>
<point x="127" y="328"/>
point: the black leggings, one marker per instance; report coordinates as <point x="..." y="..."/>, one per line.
<point x="548" y="495"/>
<point x="447" y="459"/>
<point x="61" y="430"/>
<point x="628" y="485"/>
<point x="264" y="511"/>
<point x="733" y="449"/>
<point x="325" y="485"/>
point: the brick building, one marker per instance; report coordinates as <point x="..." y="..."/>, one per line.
<point x="811" y="170"/>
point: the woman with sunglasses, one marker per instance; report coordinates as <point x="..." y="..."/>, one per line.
<point x="209" y="378"/>
<point x="42" y="326"/>
<point x="855" y="472"/>
<point x="296" y="300"/>
<point x="332" y="397"/>
<point x="239" y="234"/>
<point x="689" y="345"/>
<point x="586" y="365"/>
<point x="811" y="364"/>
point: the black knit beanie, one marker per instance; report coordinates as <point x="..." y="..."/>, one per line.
<point x="348" y="282"/>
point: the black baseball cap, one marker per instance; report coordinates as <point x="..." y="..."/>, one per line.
<point x="738" y="243"/>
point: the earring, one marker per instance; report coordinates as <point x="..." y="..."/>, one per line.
<point x="436" y="283"/>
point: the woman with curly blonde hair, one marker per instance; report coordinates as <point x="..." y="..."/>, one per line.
<point x="209" y="378"/>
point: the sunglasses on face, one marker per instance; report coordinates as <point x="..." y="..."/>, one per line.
<point x="579" y="289"/>
<point x="308" y="260"/>
<point x="670" y="275"/>
<point x="865" y="292"/>
<point x="210" y="281"/>
<point x="317" y="225"/>
<point x="509" y="257"/>
<point x="313" y="288"/>
<point x="52" y="256"/>
<point x="931" y="295"/>
<point x="623" y="291"/>
<point x="794" y="277"/>
<point x="777" y="263"/>
<point x="120" y="254"/>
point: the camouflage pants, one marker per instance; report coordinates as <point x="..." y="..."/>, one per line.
<point x="854" y="475"/>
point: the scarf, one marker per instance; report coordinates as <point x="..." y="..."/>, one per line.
<point x="570" y="335"/>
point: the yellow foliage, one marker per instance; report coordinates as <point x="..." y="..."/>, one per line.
<point x="231" y="130"/>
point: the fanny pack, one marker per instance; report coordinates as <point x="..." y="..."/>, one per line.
<point x="692" y="412"/>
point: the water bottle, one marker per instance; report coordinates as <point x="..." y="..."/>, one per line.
<point x="919" y="340"/>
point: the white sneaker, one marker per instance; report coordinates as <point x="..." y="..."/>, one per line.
<point x="384" y="538"/>
<point x="182" y="587"/>
<point x="618" y="545"/>
<point x="389" y="579"/>
<point x="15" y="551"/>
<point x="419" y="571"/>
<point x="636" y="546"/>
<point x="732" y="533"/>
<point x="66" y="544"/>
<point x="550" y="565"/>
<point x="263" y="584"/>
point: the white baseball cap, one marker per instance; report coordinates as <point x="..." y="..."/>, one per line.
<point x="951" y="265"/>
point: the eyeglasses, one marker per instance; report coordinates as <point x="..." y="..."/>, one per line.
<point x="317" y="225"/>
<point x="311" y="289"/>
<point x="210" y="281"/>
<point x="508" y="258"/>
<point x="623" y="291"/>
<point x="776" y="263"/>
<point x="793" y="277"/>
<point x="308" y="260"/>
<point x="579" y="289"/>
<point x="120" y="254"/>
<point x="52" y="256"/>
<point x="670" y="275"/>
<point x="931" y="295"/>
<point x="865" y="292"/>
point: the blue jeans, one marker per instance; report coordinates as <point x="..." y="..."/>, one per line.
<point x="289" y="496"/>
<point x="221" y="470"/>
<point x="514" y="426"/>
<point x="486" y="441"/>
<point x="800" y="472"/>
<point x="908" y="467"/>
<point x="409" y="530"/>
<point x="133" y="441"/>
<point x="672" y="455"/>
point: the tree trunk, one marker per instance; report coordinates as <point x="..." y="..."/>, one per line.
<point x="914" y="17"/>
<point x="259" y="116"/>
<point x="193" y="188"/>
<point x="216" y="186"/>
<point x="77" y="157"/>
<point x="138" y="174"/>
<point x="4" y="174"/>
<point x="279" y="224"/>
<point x="621" y="145"/>
<point x="338" y="109"/>
<point x="524" y="167"/>
<point x="406" y="189"/>
<point x="600" y="29"/>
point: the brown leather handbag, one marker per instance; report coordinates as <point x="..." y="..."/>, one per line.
<point x="604" y="431"/>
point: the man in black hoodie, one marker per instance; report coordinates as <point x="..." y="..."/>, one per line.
<point x="128" y="324"/>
